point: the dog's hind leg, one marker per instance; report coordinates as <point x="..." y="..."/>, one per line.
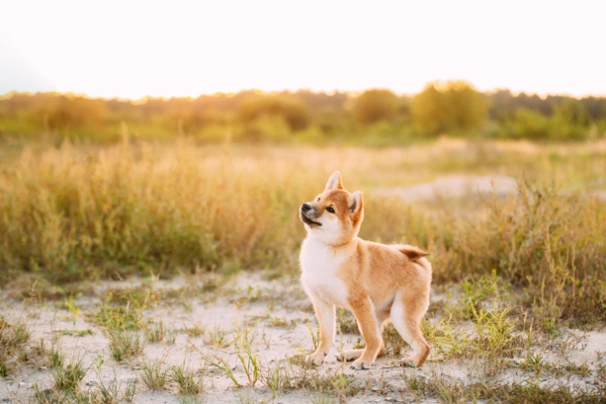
<point x="406" y="316"/>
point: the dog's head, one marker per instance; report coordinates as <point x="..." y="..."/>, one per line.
<point x="335" y="215"/>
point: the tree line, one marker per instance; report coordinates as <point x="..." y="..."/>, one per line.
<point x="375" y="116"/>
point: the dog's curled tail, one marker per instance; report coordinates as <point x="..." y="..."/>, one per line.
<point x="415" y="254"/>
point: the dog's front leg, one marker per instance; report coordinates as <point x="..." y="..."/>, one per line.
<point x="364" y="312"/>
<point x="325" y="314"/>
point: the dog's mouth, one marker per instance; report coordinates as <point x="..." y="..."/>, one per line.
<point x="309" y="221"/>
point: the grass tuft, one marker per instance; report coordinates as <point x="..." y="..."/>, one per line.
<point x="68" y="377"/>
<point x="12" y="341"/>
<point x="187" y="381"/>
<point x="124" y="344"/>
<point x="153" y="375"/>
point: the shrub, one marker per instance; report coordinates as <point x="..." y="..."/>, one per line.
<point x="375" y="105"/>
<point x="289" y="108"/>
<point x="451" y="106"/>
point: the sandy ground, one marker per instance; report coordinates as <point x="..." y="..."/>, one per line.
<point x="278" y="320"/>
<point x="455" y="186"/>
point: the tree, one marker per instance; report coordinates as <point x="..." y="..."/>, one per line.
<point x="291" y="109"/>
<point x="375" y="105"/>
<point x="452" y="106"/>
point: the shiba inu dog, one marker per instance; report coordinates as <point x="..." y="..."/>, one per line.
<point x="376" y="282"/>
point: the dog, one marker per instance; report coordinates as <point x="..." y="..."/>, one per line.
<point x="376" y="282"/>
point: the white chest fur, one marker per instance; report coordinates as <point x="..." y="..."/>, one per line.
<point x="319" y="265"/>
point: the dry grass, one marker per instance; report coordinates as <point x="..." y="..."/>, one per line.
<point x="74" y="213"/>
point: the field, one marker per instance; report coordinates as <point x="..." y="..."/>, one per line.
<point x="167" y="272"/>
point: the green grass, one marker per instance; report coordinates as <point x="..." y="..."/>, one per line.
<point x="68" y="377"/>
<point x="153" y="375"/>
<point x="55" y="357"/>
<point x="187" y="381"/>
<point x="112" y="317"/>
<point x="13" y="338"/>
<point x="124" y="344"/>
<point x="156" y="332"/>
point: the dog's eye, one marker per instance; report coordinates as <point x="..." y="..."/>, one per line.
<point x="330" y="209"/>
<point x="318" y="199"/>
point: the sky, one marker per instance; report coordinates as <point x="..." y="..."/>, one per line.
<point x="131" y="49"/>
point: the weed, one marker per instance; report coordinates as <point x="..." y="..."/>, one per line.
<point x="113" y="318"/>
<point x="393" y="341"/>
<point x="124" y="344"/>
<point x="111" y="393"/>
<point x="495" y="333"/>
<point x="77" y="333"/>
<point x="12" y="341"/>
<point x="68" y="377"/>
<point x="580" y="370"/>
<point x="139" y="297"/>
<point x="282" y="322"/>
<point x="55" y="357"/>
<point x="186" y="380"/>
<point x="5" y="367"/>
<point x="189" y="400"/>
<point x="195" y="331"/>
<point x="153" y="375"/>
<point x="315" y="337"/>
<point x="224" y="367"/>
<point x="171" y="336"/>
<point x="156" y="332"/>
<point x="476" y="292"/>
<point x="347" y="322"/>
<point x="48" y="396"/>
<point x="71" y="308"/>
<point x="104" y="394"/>
<point x="250" y="361"/>
<point x="285" y="376"/>
<point x="217" y="337"/>
<point x="534" y="361"/>
<point x="12" y="336"/>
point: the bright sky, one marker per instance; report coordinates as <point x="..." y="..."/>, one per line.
<point x="133" y="48"/>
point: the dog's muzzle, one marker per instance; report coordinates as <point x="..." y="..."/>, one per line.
<point x="304" y="211"/>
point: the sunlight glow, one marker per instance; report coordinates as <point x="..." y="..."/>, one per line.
<point x="138" y="48"/>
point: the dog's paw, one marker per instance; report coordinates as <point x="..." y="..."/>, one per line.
<point x="359" y="364"/>
<point x="348" y="356"/>
<point x="315" y="359"/>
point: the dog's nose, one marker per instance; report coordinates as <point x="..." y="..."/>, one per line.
<point x="305" y="207"/>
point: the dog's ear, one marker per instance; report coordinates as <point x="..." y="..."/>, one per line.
<point x="355" y="202"/>
<point x="334" y="182"/>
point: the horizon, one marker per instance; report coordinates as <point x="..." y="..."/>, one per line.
<point x="138" y="50"/>
<point x="290" y="91"/>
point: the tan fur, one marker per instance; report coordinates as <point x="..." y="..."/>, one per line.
<point x="377" y="282"/>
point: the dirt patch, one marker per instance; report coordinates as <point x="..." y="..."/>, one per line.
<point x="219" y="332"/>
<point x="455" y="186"/>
